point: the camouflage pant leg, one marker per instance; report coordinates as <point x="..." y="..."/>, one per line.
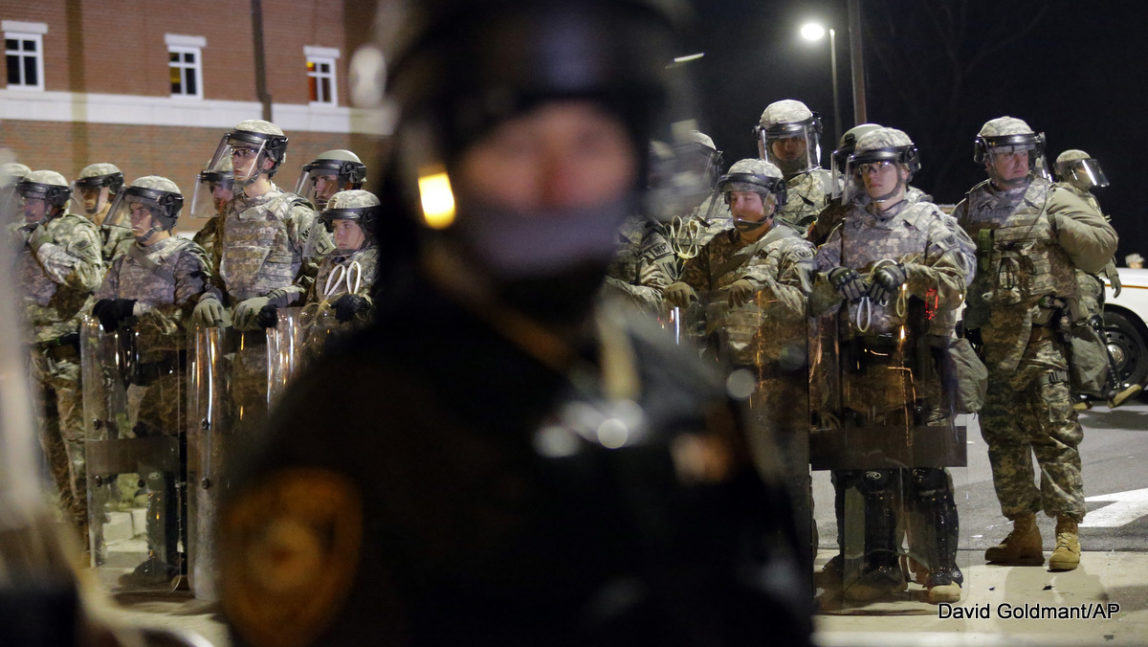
<point x="61" y="424"/>
<point x="157" y="410"/>
<point x="1031" y="413"/>
<point x="779" y="415"/>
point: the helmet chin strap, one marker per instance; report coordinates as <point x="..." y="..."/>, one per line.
<point x="155" y="229"/>
<point x="748" y="225"/>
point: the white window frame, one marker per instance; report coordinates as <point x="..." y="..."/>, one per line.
<point x="328" y="56"/>
<point x="33" y="31"/>
<point x="180" y="44"/>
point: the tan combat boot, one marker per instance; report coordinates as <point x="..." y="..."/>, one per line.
<point x="1118" y="399"/>
<point x="1067" y="554"/>
<point x="1022" y="547"/>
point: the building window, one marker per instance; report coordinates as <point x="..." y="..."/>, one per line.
<point x="321" y="74"/>
<point x="24" y="54"/>
<point x="185" y="64"/>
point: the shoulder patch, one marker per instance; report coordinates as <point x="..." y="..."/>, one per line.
<point x="289" y="550"/>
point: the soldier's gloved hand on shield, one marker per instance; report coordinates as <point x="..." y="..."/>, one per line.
<point x="349" y="305"/>
<point x="208" y="313"/>
<point x="268" y="316"/>
<point x="740" y="292"/>
<point x="847" y="282"/>
<point x="111" y="312"/>
<point x="679" y="294"/>
<point x="247" y="314"/>
<point x="887" y="281"/>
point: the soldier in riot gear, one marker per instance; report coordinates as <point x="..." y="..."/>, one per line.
<point x="214" y="191"/>
<point x="96" y="187"/>
<point x="789" y="136"/>
<point x="1030" y="238"/>
<point x="147" y="297"/>
<point x="60" y="266"/>
<point x="519" y="527"/>
<point x="343" y="285"/>
<point x="10" y="174"/>
<point x="895" y="274"/>
<point x="330" y="172"/>
<point x="1076" y="170"/>
<point x="267" y="232"/>
<point x="754" y="281"/>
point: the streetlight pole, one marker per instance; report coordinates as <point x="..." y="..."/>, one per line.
<point x="813" y="31"/>
<point x="833" y="74"/>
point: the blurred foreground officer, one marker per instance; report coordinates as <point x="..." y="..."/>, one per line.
<point x="789" y="135"/>
<point x="514" y="468"/>
<point x="59" y="268"/>
<point x="95" y="189"/>
<point x="1077" y="171"/>
<point x="1030" y="238"/>
<point x="896" y="271"/>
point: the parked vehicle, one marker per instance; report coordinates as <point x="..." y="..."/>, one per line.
<point x="1126" y="324"/>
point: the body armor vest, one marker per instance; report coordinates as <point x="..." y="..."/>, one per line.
<point x="258" y="255"/>
<point x="1018" y="257"/>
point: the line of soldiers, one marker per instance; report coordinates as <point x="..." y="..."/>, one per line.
<point x="112" y="297"/>
<point x="850" y="290"/>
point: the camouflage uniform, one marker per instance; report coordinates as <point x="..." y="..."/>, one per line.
<point x="643" y="265"/>
<point x="164" y="280"/>
<point x="60" y="265"/>
<point x="837" y="209"/>
<point x="208" y="238"/>
<point x="1034" y="237"/>
<point x="937" y="260"/>
<point x="809" y="195"/>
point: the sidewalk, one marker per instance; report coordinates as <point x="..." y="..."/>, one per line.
<point x="1103" y="579"/>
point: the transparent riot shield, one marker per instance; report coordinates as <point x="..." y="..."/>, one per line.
<point x="885" y="427"/>
<point x="234" y="377"/>
<point x="134" y="402"/>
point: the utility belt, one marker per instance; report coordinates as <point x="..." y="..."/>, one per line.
<point x="61" y="348"/>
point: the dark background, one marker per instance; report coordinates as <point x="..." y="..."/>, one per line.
<point x="938" y="69"/>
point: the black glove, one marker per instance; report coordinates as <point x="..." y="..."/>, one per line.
<point x="111" y="312"/>
<point x="348" y="305"/>
<point x="268" y="316"/>
<point x="887" y="281"/>
<point x="847" y="282"/>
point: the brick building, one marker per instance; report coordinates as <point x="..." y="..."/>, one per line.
<point x="151" y="85"/>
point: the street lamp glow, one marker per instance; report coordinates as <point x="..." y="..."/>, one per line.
<point x="812" y="31"/>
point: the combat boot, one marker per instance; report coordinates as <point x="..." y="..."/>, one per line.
<point x="1067" y="554"/>
<point x="1119" y="397"/>
<point x="1022" y="546"/>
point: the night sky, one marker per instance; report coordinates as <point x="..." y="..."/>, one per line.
<point x="939" y="70"/>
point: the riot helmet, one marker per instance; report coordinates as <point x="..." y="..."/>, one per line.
<point x="755" y="176"/>
<point x="214" y="190"/>
<point x="44" y="195"/>
<point x="151" y="195"/>
<point x="330" y="172"/>
<point x="90" y="187"/>
<point x="1079" y="169"/>
<point x="697" y="154"/>
<point x="840" y="156"/>
<point x="1003" y="137"/>
<point x="254" y="147"/>
<point x="789" y="136"/>
<point x="873" y="155"/>
<point x="357" y="206"/>
<point x="462" y="72"/>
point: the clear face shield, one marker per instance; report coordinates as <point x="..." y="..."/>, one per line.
<point x="793" y="148"/>
<point x="1084" y="173"/>
<point x="93" y="195"/>
<point x="319" y="181"/>
<point x="872" y="176"/>
<point x="33" y="200"/>
<point x="242" y="153"/>
<point x="213" y="192"/>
